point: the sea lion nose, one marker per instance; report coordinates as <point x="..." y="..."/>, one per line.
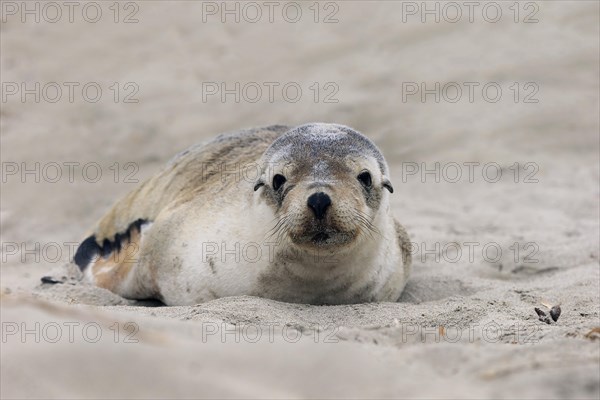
<point x="318" y="203"/>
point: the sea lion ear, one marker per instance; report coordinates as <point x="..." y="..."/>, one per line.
<point x="388" y="185"/>
<point x="258" y="185"/>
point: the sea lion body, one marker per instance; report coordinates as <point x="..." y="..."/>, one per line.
<point x="231" y="217"/>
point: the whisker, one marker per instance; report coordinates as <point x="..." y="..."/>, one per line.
<point x="277" y="228"/>
<point x="368" y="227"/>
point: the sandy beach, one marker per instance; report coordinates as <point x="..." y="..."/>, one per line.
<point x="491" y="130"/>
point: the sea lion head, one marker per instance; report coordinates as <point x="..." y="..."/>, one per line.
<point x="326" y="184"/>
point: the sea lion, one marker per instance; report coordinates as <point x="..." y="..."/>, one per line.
<point x="296" y="214"/>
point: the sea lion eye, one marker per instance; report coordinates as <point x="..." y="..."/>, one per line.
<point x="278" y="181"/>
<point x="365" y="179"/>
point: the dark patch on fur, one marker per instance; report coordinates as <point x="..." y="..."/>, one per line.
<point x="138" y="224"/>
<point x="87" y="250"/>
<point x="107" y="248"/>
<point x="90" y="248"/>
